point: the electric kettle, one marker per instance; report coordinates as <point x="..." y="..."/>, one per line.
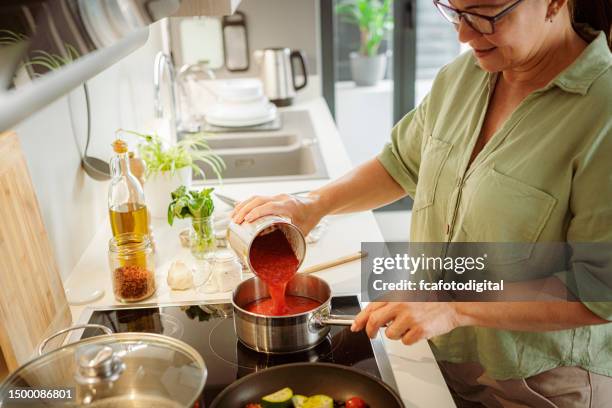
<point x="278" y="73"/>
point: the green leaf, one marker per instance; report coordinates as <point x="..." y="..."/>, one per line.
<point x="190" y="203"/>
<point x="374" y="19"/>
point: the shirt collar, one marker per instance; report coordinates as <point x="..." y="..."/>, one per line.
<point x="594" y="60"/>
<point x="592" y="63"/>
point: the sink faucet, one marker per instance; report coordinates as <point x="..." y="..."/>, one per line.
<point x="163" y="62"/>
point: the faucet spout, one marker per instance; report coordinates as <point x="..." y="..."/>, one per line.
<point x="163" y="62"/>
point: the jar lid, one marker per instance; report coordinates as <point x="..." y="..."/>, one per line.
<point x="138" y="365"/>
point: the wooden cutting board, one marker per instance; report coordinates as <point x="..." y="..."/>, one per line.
<point x="32" y="299"/>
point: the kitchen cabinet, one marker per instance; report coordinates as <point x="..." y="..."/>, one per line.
<point x="190" y="8"/>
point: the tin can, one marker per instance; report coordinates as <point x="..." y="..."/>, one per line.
<point x="241" y="236"/>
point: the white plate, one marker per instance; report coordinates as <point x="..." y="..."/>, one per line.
<point x="226" y="122"/>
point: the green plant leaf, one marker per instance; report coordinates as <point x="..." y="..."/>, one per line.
<point x="190" y="203"/>
<point x="190" y="149"/>
<point x="374" y="19"/>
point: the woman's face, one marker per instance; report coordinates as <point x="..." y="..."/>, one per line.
<point x="518" y="37"/>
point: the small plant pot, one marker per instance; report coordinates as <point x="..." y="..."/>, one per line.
<point x="158" y="187"/>
<point x="368" y="71"/>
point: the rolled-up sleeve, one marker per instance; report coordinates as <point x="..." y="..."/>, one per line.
<point x="402" y="156"/>
<point x="590" y="229"/>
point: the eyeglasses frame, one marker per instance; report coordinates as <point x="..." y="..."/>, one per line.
<point x="492" y="19"/>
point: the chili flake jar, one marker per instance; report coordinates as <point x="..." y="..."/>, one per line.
<point x="132" y="267"/>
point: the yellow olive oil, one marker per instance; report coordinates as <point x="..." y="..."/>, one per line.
<point x="129" y="218"/>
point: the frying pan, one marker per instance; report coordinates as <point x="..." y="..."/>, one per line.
<point x="338" y="382"/>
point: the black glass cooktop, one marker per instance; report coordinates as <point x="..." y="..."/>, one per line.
<point x="209" y="328"/>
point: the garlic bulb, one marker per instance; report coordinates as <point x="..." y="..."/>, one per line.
<point x="180" y="276"/>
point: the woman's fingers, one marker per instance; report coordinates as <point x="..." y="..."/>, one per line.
<point x="241" y="204"/>
<point x="253" y="202"/>
<point x="269" y="208"/>
<point x="362" y="318"/>
<point x="399" y="327"/>
<point x="412" y="336"/>
<point x="379" y="318"/>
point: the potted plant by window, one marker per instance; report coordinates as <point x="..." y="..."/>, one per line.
<point x="170" y="166"/>
<point x="374" y="19"/>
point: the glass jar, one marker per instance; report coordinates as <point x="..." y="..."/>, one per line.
<point x="202" y="236"/>
<point x="227" y="270"/>
<point x="132" y="267"/>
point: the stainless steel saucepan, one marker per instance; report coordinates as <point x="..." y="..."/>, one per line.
<point x="285" y="334"/>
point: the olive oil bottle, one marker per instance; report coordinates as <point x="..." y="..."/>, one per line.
<point x="126" y="202"/>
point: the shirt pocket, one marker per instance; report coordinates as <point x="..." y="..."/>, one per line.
<point x="433" y="158"/>
<point x="504" y="209"/>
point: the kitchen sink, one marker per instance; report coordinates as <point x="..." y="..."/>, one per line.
<point x="248" y="140"/>
<point x="291" y="153"/>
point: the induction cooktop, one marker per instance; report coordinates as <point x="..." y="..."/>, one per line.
<point x="209" y="328"/>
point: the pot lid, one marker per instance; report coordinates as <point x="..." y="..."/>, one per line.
<point x="116" y="367"/>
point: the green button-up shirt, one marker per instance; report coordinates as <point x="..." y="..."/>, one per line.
<point x="544" y="176"/>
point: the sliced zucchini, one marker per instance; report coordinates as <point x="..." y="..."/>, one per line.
<point x="319" y="401"/>
<point x="299" y="401"/>
<point x="279" y="399"/>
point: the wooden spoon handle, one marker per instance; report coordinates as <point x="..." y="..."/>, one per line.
<point x="335" y="262"/>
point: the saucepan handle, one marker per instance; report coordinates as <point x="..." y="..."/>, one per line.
<point x="320" y="320"/>
<point x="43" y="344"/>
<point x="338" y="320"/>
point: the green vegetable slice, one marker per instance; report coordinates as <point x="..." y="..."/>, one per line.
<point x="299" y="401"/>
<point x="319" y="401"/>
<point x="279" y="399"/>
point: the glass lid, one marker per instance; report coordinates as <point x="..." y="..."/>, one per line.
<point x="115" y="368"/>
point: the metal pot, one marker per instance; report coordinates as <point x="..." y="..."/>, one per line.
<point x="285" y="334"/>
<point x="124" y="369"/>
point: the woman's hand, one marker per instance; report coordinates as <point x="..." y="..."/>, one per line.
<point x="304" y="212"/>
<point x="409" y="321"/>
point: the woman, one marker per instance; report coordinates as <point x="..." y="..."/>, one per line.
<point x="513" y="144"/>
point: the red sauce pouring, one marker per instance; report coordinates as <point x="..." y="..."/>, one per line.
<point x="274" y="261"/>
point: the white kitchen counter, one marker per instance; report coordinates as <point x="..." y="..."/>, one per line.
<point x="417" y="375"/>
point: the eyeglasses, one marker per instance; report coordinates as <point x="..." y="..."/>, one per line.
<point x="478" y="22"/>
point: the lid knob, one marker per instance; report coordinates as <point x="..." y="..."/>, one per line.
<point x="97" y="363"/>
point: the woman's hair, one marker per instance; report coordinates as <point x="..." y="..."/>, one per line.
<point x="595" y="13"/>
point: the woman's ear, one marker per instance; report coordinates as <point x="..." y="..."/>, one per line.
<point x="554" y="6"/>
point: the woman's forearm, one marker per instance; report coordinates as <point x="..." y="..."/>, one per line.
<point x="526" y="316"/>
<point x="366" y="187"/>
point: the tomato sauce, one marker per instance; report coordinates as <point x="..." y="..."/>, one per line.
<point x="293" y="305"/>
<point x="274" y="261"/>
